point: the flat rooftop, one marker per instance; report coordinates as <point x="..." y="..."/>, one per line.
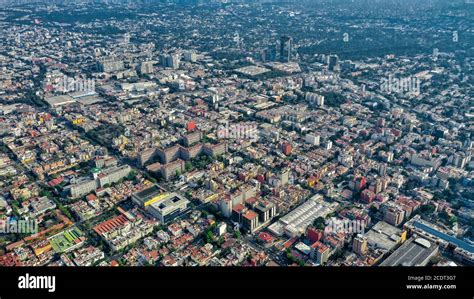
<point x="169" y="202"/>
<point x="383" y="235"/>
<point x="148" y="193"/>
<point x="90" y="100"/>
<point x="414" y="252"/>
<point x="59" y="100"/>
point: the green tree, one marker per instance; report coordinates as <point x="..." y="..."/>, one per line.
<point x="319" y="223"/>
<point x="188" y="166"/>
<point x="209" y="236"/>
<point x="237" y="234"/>
<point x="427" y="209"/>
<point x="46" y="193"/>
<point x="294" y="259"/>
<point x="131" y="176"/>
<point x="453" y="219"/>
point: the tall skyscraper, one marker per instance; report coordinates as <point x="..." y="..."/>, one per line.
<point x="286" y="48"/>
<point x="333" y="62"/>
<point x="272" y="52"/>
<point x="170" y="60"/>
<point x="173" y="61"/>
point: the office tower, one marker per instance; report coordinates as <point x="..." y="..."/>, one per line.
<point x="265" y="55"/>
<point x="333" y="62"/>
<point x="163" y="58"/>
<point x="173" y="61"/>
<point x="270" y="53"/>
<point x="286" y="48"/>
<point x="170" y="60"/>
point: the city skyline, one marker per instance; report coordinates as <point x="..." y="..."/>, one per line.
<point x="237" y="133"/>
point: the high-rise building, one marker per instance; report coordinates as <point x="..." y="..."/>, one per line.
<point x="172" y="169"/>
<point x="250" y="221"/>
<point x="320" y="252"/>
<point x="328" y="145"/>
<point x="315" y="98"/>
<point x="110" y="65"/>
<point x="367" y="196"/>
<point x="314" y="234"/>
<point x="286" y="48"/>
<point x="225" y="205"/>
<point x="221" y="229"/>
<point x="190" y="56"/>
<point x="270" y="53"/>
<point x="192" y="138"/>
<point x="382" y="169"/>
<point x="266" y="211"/>
<point x="173" y="61"/>
<point x="264" y="55"/>
<point x="358" y="183"/>
<point x="286" y="148"/>
<point x="312" y="139"/>
<point x="170" y="60"/>
<point x="285" y="176"/>
<point x="394" y="215"/>
<point x="146" y="67"/>
<point x="359" y="245"/>
<point x="333" y="62"/>
<point x="273" y="52"/>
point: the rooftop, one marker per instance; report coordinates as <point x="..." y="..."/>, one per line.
<point x="300" y="218"/>
<point x="383" y="235"/>
<point x="148" y="193"/>
<point x="414" y="252"/>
